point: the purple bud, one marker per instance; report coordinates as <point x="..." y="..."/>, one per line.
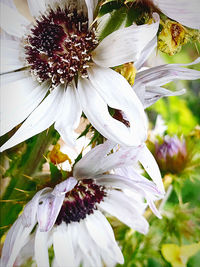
<point x="171" y="155"/>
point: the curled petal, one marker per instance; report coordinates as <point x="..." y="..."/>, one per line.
<point x="48" y="210"/>
<point x="163" y="74"/>
<point x="30" y="210"/>
<point x="98" y="160"/>
<point x="64" y="187"/>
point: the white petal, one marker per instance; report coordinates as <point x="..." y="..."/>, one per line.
<point x="88" y="247"/>
<point x="89" y="164"/>
<point x="10" y="60"/>
<point x="39" y="120"/>
<point x="69" y="117"/>
<point x="124" y="45"/>
<point x="118" y="94"/>
<point x="12" y="77"/>
<point x="64" y="187"/>
<point x="146" y="52"/>
<point x="36" y="7"/>
<point x="163" y="74"/>
<point x="26" y="252"/>
<point x="9" y="3"/>
<point x="118" y="205"/>
<point x="184" y="11"/>
<point x="91" y="5"/>
<point x="153" y="94"/>
<point x="151" y="167"/>
<point x="153" y="208"/>
<point x="98" y="160"/>
<point x="102" y="233"/>
<point x="16" y="238"/>
<point x="119" y="182"/>
<point x="18" y="100"/>
<point x="12" y="22"/>
<point x="63" y="248"/>
<point x="48" y="210"/>
<point x="41" y="249"/>
<point x="29" y="212"/>
<point x="96" y="110"/>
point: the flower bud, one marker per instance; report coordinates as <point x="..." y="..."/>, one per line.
<point x="171" y="155"/>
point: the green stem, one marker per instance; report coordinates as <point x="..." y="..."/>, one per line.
<point x="27" y="165"/>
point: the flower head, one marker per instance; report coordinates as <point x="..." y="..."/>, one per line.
<point x="70" y="216"/>
<point x="171" y="155"/>
<point x="58" y="68"/>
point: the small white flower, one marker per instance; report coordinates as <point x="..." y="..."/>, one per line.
<point x="70" y="215"/>
<point x="67" y="72"/>
<point x="148" y="83"/>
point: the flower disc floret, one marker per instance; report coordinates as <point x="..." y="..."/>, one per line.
<point x="81" y="201"/>
<point x="59" y="46"/>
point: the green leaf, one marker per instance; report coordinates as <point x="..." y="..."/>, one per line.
<point x="116" y="19"/>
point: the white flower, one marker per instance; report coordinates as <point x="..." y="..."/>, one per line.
<point x="70" y="215"/>
<point x="148" y="83"/>
<point x="56" y="69"/>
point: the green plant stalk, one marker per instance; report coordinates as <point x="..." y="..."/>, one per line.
<point x="28" y="164"/>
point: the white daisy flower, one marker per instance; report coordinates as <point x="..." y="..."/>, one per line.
<point x="148" y="82"/>
<point x="70" y="216"/>
<point x="184" y="11"/>
<point x="56" y="68"/>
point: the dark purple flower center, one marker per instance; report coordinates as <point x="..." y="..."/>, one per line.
<point x="80" y="201"/>
<point x="59" y="46"/>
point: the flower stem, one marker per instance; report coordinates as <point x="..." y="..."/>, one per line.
<point x="20" y="169"/>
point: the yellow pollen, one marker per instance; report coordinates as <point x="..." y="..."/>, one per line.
<point x="127" y="70"/>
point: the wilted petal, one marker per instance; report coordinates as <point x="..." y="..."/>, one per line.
<point x="64" y="187"/>
<point x="29" y="213"/>
<point x="97" y="161"/>
<point x="12" y="22"/>
<point x="48" y="210"/>
<point x="153" y="94"/>
<point x="184" y="11"/>
<point x="163" y="74"/>
<point x="124" y="45"/>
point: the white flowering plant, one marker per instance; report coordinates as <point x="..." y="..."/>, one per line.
<point x="80" y="81"/>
